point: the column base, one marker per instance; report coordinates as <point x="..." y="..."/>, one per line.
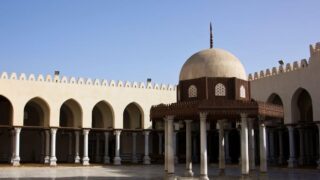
<point x="98" y="159"/>
<point x="106" y="160"/>
<point x="53" y="161"/>
<point x="204" y="177"/>
<point x="146" y="160"/>
<point x="189" y="173"/>
<point x="77" y="160"/>
<point x="46" y="159"/>
<point x="170" y="177"/>
<point x="117" y="161"/>
<point x="281" y="160"/>
<point x="16" y="161"/>
<point x="85" y="161"/>
<point x="134" y="159"/>
<point x="70" y="158"/>
<point x="292" y="163"/>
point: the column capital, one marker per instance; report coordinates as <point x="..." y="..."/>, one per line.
<point x="243" y="115"/>
<point x="169" y="117"/>
<point x="290" y="127"/>
<point x="17" y="129"/>
<point x="53" y="130"/>
<point x="86" y="131"/>
<point x="117" y="132"/>
<point x="106" y="133"/>
<point x="188" y="121"/>
<point x="203" y="115"/>
<point x="146" y="133"/>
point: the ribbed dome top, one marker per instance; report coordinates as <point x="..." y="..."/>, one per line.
<point x="212" y="63"/>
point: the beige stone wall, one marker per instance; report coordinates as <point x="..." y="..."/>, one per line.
<point x="287" y="81"/>
<point x="54" y="91"/>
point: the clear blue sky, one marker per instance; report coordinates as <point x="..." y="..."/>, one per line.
<point x="137" y="39"/>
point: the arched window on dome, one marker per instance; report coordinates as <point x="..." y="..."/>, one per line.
<point x="192" y="91"/>
<point x="220" y="90"/>
<point x="242" y="92"/>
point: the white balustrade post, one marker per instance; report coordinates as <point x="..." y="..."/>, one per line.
<point x="146" y="158"/>
<point x="16" y="159"/>
<point x="188" y="172"/>
<point x="85" y="159"/>
<point x="106" y="158"/>
<point x="53" y="158"/>
<point x="203" y="147"/>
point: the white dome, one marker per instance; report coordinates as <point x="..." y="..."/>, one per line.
<point x="212" y="63"/>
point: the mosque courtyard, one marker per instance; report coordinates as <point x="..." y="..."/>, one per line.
<point x="145" y="172"/>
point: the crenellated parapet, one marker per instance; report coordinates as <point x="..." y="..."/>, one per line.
<point x="289" y="67"/>
<point x="84" y="81"/>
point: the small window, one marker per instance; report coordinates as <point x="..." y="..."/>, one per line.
<point x="192" y="91"/>
<point x="220" y="90"/>
<point x="242" y="92"/>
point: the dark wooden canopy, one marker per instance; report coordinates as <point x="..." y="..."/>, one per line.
<point x="216" y="109"/>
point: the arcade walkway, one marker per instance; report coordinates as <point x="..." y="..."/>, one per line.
<point x="136" y="172"/>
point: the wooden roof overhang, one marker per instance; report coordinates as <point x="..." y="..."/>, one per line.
<point x="222" y="109"/>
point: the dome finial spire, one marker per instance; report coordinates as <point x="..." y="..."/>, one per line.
<point x="211" y="37"/>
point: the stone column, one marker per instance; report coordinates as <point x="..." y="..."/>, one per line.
<point x="188" y="172"/>
<point x="146" y="158"/>
<point x="13" y="145"/>
<point x="106" y="159"/>
<point x="318" y="144"/>
<point x="228" y="158"/>
<point x="53" y="158"/>
<point x="165" y="146"/>
<point x="16" y="158"/>
<point x="98" y="158"/>
<point x="271" y="144"/>
<point x="134" y="158"/>
<point x="175" y="146"/>
<point x="203" y="147"/>
<point x="244" y="145"/>
<point x="77" y="156"/>
<point x="252" y="160"/>
<point x="170" y="148"/>
<point x="301" y="145"/>
<point x="85" y="159"/>
<point x="70" y="156"/>
<point x="221" y="147"/>
<point x="160" y="143"/>
<point x="292" y="162"/>
<point x="47" y="147"/>
<point x="263" y="147"/>
<point x="117" y="159"/>
<point x="281" y="156"/>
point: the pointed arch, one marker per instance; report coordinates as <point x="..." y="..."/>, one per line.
<point x="36" y="112"/>
<point x="102" y="115"/>
<point x="6" y="111"/>
<point x="301" y="106"/>
<point x="70" y="114"/>
<point x="274" y="98"/>
<point x="133" y="116"/>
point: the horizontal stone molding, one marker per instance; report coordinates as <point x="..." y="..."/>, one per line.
<point x="84" y="81"/>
